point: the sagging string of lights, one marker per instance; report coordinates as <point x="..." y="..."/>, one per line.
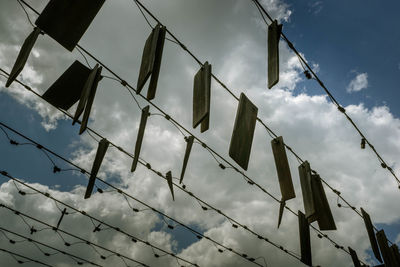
<point x="178" y="125"/>
<point x="37" y="243"/>
<point x="320" y="234"/>
<point x="206" y="206"/>
<point x="27" y="259"/>
<point x="174" y="122"/>
<point x="125" y="84"/>
<point x="58" y="231"/>
<point x="269" y="130"/>
<point x="313" y="75"/>
<point x="364" y="140"/>
<point x="94" y="219"/>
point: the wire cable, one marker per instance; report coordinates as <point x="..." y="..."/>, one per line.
<point x="198" y="61"/>
<point x="45" y="245"/>
<point x="58" y="231"/>
<point x="117" y="229"/>
<point x="204" y="205"/>
<point x="331" y="97"/>
<point x="250" y="181"/>
<point x="13" y="254"/>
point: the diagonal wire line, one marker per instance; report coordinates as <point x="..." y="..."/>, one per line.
<point x="224" y="86"/>
<point x="334" y="101"/>
<point x="48" y="246"/>
<point x="57" y="230"/>
<point x="191" y="194"/>
<point x="117" y="229"/>
<point x="13" y="254"/>
<point x="269" y="131"/>
<point x="205" y="207"/>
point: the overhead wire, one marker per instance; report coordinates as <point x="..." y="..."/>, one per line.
<point x="199" y="62"/>
<point x="249" y="180"/>
<point x="193" y="231"/>
<point x="101" y="222"/>
<point x="13" y="254"/>
<point x="84" y="241"/>
<point x="36" y="243"/>
<point x="206" y="207"/>
<point x="331" y="97"/>
<point x="269" y="131"/>
<point x="304" y="62"/>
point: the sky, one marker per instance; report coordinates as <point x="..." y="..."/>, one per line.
<point x="353" y="52"/>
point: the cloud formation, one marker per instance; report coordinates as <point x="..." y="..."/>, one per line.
<point x="233" y="39"/>
<point x="359" y="83"/>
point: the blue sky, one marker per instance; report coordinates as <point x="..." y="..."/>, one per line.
<point x="345" y="39"/>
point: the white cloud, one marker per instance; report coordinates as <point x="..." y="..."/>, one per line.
<point x="358" y="83"/>
<point x="310" y="124"/>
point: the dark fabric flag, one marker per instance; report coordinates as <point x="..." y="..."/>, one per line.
<point x="243" y="132"/>
<point x="67" y="89"/>
<point x="394" y="249"/>
<point x="354" y="257"/>
<point x="324" y="214"/>
<point x="67" y="20"/>
<point x="371" y="234"/>
<point x="284" y="175"/>
<point x="170" y="184"/>
<point x="274" y="33"/>
<point x="306" y="189"/>
<point x="87" y="97"/>
<point x="385" y="250"/>
<point x="189" y="144"/>
<point x="23" y="55"/>
<point x="151" y="61"/>
<point x="315" y="202"/>
<point x="139" y="139"/>
<point x="201" y="97"/>
<point x="101" y="151"/>
<point x="305" y="242"/>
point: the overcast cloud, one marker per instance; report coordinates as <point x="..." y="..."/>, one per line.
<point x="232" y="37"/>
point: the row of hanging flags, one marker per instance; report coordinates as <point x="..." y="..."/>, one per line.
<point x="67" y="20"/>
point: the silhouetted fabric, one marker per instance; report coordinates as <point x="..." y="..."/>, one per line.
<point x="385" y="250"/>
<point x="139" y="139"/>
<point x="170" y="185"/>
<point x="67" y="20"/>
<point x="189" y="144"/>
<point x="314" y="198"/>
<point x="306" y="189"/>
<point x="283" y="171"/>
<point x="101" y="151"/>
<point x="324" y="214"/>
<point x="243" y="132"/>
<point x="274" y="32"/>
<point x="67" y="89"/>
<point x="305" y="243"/>
<point x="394" y="249"/>
<point x="23" y="55"/>
<point x="282" y="205"/>
<point x="371" y="234"/>
<point x="354" y="257"/>
<point x="87" y="97"/>
<point x="151" y="61"/>
<point x="201" y="97"/>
